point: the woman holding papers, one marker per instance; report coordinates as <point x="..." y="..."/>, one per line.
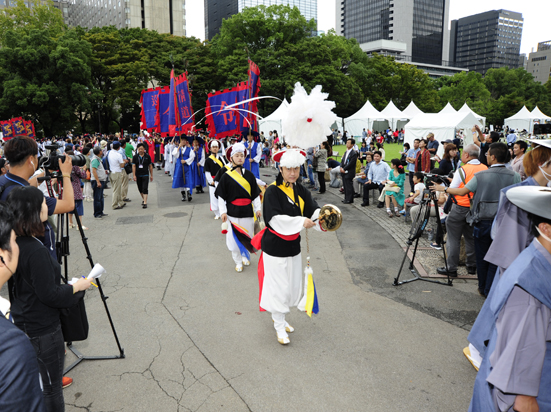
<point x="37" y="293"/>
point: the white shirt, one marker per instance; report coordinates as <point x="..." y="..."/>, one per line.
<point x="457" y="178"/>
<point x="115" y="159"/>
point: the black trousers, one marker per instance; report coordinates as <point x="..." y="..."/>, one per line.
<point x="371" y="186"/>
<point x="321" y="179"/>
<point x="348" y="188"/>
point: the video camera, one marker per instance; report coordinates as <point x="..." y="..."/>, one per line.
<point x="435" y="179"/>
<point x="51" y="162"/>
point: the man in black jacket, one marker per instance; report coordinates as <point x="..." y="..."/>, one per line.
<point x="348" y="171"/>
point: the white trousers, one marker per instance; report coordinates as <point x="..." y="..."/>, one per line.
<point x="214" y="201"/>
<point x="246" y="223"/>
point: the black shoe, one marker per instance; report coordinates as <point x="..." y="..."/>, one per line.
<point x="364" y="204"/>
<point x="158" y="168"/>
<point x="118" y="208"/>
<point x="347" y="202"/>
<point x="183" y="196"/>
<point x="450" y="273"/>
<point x="356" y="195"/>
<point x="127" y="200"/>
<point x="471" y="270"/>
<point x="144" y="206"/>
<point x="189" y="198"/>
<point x="381" y="205"/>
<point x="104" y="215"/>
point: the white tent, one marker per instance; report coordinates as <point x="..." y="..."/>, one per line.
<point x="392" y="114"/>
<point x="444" y="127"/>
<point x="362" y="119"/>
<point x="523" y="120"/>
<point x="541" y="116"/>
<point x="467" y="109"/>
<point x="411" y="111"/>
<point x="448" y="109"/>
<point x="273" y="121"/>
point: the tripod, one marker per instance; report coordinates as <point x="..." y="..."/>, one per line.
<point x="62" y="249"/>
<point x="417" y="228"/>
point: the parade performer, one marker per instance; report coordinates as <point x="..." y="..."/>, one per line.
<point x="289" y="208"/>
<point x="515" y="373"/>
<point x="213" y="164"/>
<point x="168" y="146"/>
<point x="199" y="161"/>
<point x="184" y="176"/>
<point x="254" y="153"/>
<point x="158" y="151"/>
<point x="238" y="202"/>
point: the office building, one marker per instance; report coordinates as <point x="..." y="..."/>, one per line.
<point x="164" y="16"/>
<point x="217" y="10"/>
<point x="422" y="25"/>
<point x="486" y="40"/>
<point x="539" y="62"/>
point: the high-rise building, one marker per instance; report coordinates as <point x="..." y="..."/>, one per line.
<point x="422" y="25"/>
<point x="164" y="16"/>
<point x="217" y="10"/>
<point x="539" y="62"/>
<point x="486" y="40"/>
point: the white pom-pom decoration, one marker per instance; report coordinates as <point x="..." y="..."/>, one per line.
<point x="309" y="118"/>
<point x="292" y="158"/>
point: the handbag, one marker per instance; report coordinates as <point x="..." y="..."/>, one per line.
<point x="88" y="175"/>
<point x="128" y="168"/>
<point x="74" y="322"/>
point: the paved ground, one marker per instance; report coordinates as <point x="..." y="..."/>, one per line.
<point x="194" y="339"/>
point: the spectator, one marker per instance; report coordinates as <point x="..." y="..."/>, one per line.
<point x="361" y="178"/>
<point x="417" y="193"/>
<point x="18" y="364"/>
<point x="97" y="178"/>
<point x="116" y="164"/>
<point x="321" y="156"/>
<point x="376" y="177"/>
<point x="411" y="156"/>
<point x="449" y="162"/>
<point x="348" y="171"/>
<point x="381" y="150"/>
<point x="396" y="179"/>
<point x="266" y="153"/>
<point x="76" y="174"/>
<point x="422" y="160"/>
<point x="432" y="145"/>
<point x="363" y="151"/>
<point x="142" y="170"/>
<point x="127" y="171"/>
<point x="87" y="192"/>
<point x="38" y="292"/>
<point x="310" y="168"/>
<point x="4" y="166"/>
<point x="334" y="168"/>
<point x="483" y="142"/>
<point x="519" y="150"/>
<point x="511" y="138"/>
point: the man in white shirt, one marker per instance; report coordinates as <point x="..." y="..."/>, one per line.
<point x="376" y="178"/>
<point x="116" y="164"/>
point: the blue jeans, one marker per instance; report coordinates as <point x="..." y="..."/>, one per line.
<point x="98" y="198"/>
<point x="482" y="242"/>
<point x="311" y="173"/>
<point x="50" y="352"/>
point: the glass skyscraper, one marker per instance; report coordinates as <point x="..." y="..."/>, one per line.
<point x="217" y="10"/>
<point x="486" y="40"/>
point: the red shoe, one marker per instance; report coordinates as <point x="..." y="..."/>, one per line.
<point x="66" y="381"/>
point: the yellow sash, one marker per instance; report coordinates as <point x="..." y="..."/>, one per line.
<point x="241" y="180"/>
<point x="288" y="190"/>
<point x="213" y="157"/>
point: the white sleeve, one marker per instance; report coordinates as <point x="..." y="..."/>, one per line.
<point x="257" y="205"/>
<point x="222" y="206"/>
<point x="175" y="152"/>
<point x="210" y="180"/>
<point x="191" y="157"/>
<point x="202" y="161"/>
<point x="287" y="225"/>
<point x="258" y="154"/>
<point x="456" y="179"/>
<point x="315" y="216"/>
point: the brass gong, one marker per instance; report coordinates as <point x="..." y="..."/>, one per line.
<point x="330" y="217"/>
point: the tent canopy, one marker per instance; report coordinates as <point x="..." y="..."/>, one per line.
<point x="523" y="120"/>
<point x="392" y="114"/>
<point x="467" y="109"/>
<point x="273" y="121"/>
<point x="539" y="115"/>
<point x="362" y="119"/>
<point x="448" y="109"/>
<point x="411" y="111"/>
<point x="443" y="126"/>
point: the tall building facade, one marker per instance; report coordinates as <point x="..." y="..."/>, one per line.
<point x="539" y="62"/>
<point x="422" y="25"/>
<point x="486" y="40"/>
<point x="164" y="16"/>
<point x="217" y="10"/>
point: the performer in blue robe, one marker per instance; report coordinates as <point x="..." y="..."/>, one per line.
<point x="515" y="373"/>
<point x="199" y="163"/>
<point x="254" y="153"/>
<point x="184" y="176"/>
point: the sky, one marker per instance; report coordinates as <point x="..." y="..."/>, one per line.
<point x="536" y="13"/>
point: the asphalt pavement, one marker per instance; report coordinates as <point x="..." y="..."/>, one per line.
<point x="194" y="339"/>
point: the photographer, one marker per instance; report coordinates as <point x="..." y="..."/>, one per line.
<point x="38" y="294"/>
<point x="21" y="153"/>
<point x="18" y="363"/>
<point x="486" y="186"/>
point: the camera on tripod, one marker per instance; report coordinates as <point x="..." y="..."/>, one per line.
<point x="436" y="179"/>
<point x="50" y="163"/>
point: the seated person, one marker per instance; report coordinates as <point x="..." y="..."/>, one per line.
<point x="416" y="197"/>
<point x="361" y="178"/>
<point x="396" y="179"/>
<point x="334" y="168"/>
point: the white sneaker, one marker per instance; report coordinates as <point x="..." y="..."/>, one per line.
<point x="246" y="262"/>
<point x="239" y="268"/>
<point x="216" y="217"/>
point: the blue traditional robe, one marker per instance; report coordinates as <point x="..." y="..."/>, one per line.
<point x="531" y="271"/>
<point x="254" y="151"/>
<point x="184" y="178"/>
<point x="200" y="179"/>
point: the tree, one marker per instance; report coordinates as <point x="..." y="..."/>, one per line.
<point x="464" y="87"/>
<point x="44" y="79"/>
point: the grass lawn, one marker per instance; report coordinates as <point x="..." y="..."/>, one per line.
<point x="392" y="151"/>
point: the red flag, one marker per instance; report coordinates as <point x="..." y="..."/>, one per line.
<point x="253" y="88"/>
<point x="18" y="126"/>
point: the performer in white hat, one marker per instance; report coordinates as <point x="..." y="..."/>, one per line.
<point x="288" y="209"/>
<point x="238" y="202"/>
<point x="213" y="164"/>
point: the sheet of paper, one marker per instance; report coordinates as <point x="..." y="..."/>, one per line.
<point x="96" y="271"/>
